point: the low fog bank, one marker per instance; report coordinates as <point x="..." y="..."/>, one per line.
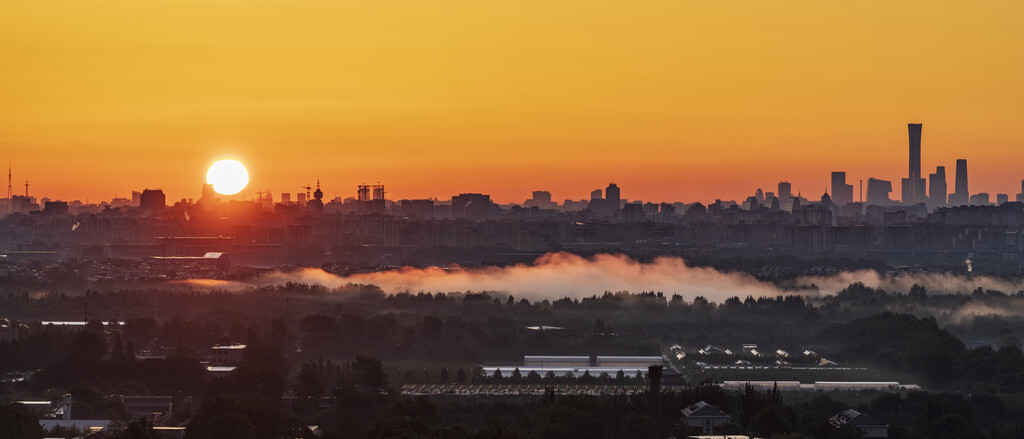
<point x="552" y="276"/>
<point x="935" y="283"/>
<point x="558" y="275"/>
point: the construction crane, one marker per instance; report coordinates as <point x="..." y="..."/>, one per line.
<point x="308" y="188"/>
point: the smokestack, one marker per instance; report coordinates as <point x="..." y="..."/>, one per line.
<point x="654" y="375"/>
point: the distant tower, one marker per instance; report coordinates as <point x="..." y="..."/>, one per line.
<point x="961" y="195"/>
<point x="785" y="191"/>
<point x="878" y="192"/>
<point x="842" y="193"/>
<point x="612" y="195"/>
<point x="317" y="203"/>
<point x="937" y="187"/>
<point x="10" y="189"/>
<point x="913" y="187"/>
<point x="915" y="149"/>
<point x="153" y="199"/>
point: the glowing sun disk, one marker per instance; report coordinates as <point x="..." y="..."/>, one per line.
<point x="228" y="177"/>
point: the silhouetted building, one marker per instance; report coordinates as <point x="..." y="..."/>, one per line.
<point x="914" y="130"/>
<point x="913" y="187"/>
<point x="1020" y="196"/>
<point x="418" y="208"/>
<point x="980" y="199"/>
<point x="286" y="197"/>
<point x="842" y="193"/>
<point x="540" y="199"/>
<point x="785" y="191"/>
<point x="471" y="206"/>
<point x="878" y="192"/>
<point x="611" y="195"/>
<point x="961" y="195"/>
<point x="1002" y="198"/>
<point x="209" y="196"/>
<point x="317" y="203"/>
<point x="937" y="188"/>
<point x="55" y="208"/>
<point x="634" y="212"/>
<point x="152" y="199"/>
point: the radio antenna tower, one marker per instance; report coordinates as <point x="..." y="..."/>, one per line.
<point x="10" y="189"/>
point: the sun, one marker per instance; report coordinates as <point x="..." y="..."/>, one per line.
<point x="228" y="177"/>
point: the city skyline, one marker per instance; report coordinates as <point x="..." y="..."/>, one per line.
<point x="921" y="190"/>
<point x="676" y="101"/>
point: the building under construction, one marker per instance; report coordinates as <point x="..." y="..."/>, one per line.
<point x="368" y="204"/>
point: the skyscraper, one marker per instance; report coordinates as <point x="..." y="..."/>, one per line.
<point x="937" y="188"/>
<point x="612" y="195"/>
<point x="961" y="195"/>
<point x="913" y="188"/>
<point x="1020" y="196"/>
<point x="785" y="191"/>
<point x="914" y="130"/>
<point x="152" y="199"/>
<point x="842" y="193"/>
<point x="878" y="192"/>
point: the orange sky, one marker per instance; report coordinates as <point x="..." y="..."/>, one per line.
<point x="675" y="100"/>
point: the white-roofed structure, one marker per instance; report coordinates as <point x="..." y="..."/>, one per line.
<point x="762" y="385"/>
<point x="856" y="385"/>
<point x="555" y="361"/>
<point x="226" y="355"/>
<point x="636" y="362"/>
<point x="595" y="372"/>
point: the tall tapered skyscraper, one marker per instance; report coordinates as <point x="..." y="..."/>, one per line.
<point x="914" y="186"/>
<point x="914" y="129"/>
<point x="961" y="196"/>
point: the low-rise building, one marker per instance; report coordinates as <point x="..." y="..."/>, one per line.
<point x="704" y="416"/>
<point x="149" y="407"/>
<point x="226" y="355"/>
<point x="871" y="426"/>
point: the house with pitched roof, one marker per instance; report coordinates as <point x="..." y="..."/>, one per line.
<point x="871" y="426"/>
<point x="704" y="416"/>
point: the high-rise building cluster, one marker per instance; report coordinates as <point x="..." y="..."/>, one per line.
<point x="915" y="189"/>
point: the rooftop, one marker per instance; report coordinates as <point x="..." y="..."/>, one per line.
<point x="857" y="419"/>
<point x="704" y="410"/>
<point x="229" y="347"/>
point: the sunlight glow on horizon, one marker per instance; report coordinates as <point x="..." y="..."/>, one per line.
<point x="228" y="177"/>
<point x="676" y="100"/>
